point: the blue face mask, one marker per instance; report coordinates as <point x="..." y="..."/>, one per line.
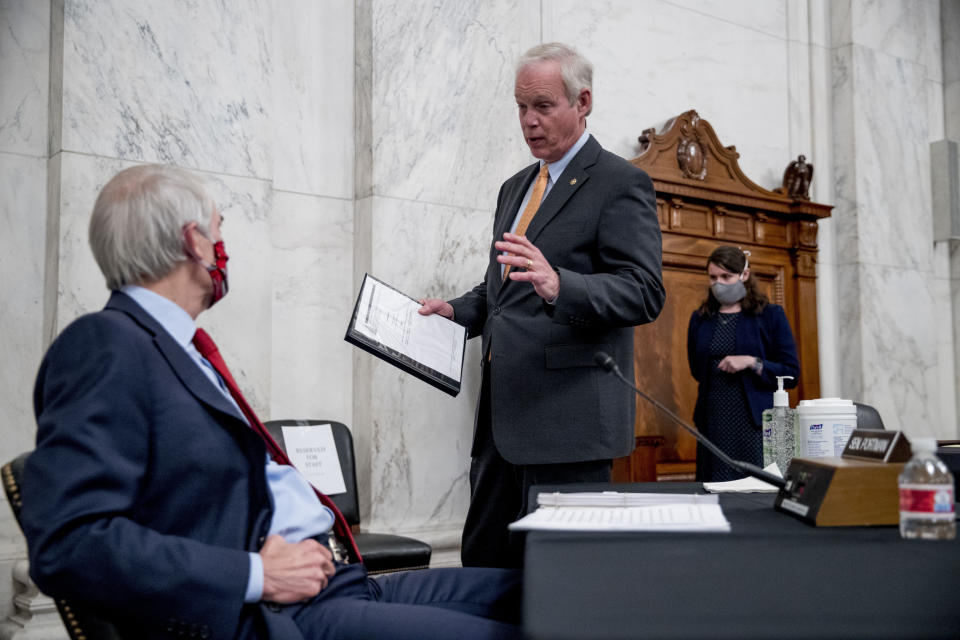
<point x="728" y="293"/>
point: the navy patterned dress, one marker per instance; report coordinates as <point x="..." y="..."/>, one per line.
<point x="730" y="426"/>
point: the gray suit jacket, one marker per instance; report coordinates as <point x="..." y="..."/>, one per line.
<point x="598" y="227"/>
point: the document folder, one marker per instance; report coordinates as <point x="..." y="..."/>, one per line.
<point x="387" y="324"/>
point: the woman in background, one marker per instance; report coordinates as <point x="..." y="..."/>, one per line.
<point x="738" y="342"/>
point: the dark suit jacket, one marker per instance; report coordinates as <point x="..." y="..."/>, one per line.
<point x="146" y="489"/>
<point x="766" y="336"/>
<point x="598" y="227"/>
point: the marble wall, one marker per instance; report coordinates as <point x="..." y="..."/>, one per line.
<point x="312" y="215"/>
<point x="24" y="95"/>
<point x="436" y="162"/>
<point x="440" y="115"/>
<point x="239" y="94"/>
<point x="372" y="136"/>
<point x="895" y="328"/>
<point x="946" y="178"/>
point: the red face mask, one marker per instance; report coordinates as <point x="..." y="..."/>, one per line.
<point x="218" y="272"/>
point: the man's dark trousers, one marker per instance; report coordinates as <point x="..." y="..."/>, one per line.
<point x="499" y="493"/>
<point x="461" y="602"/>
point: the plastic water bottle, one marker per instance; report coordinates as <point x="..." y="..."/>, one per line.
<point x="926" y="495"/>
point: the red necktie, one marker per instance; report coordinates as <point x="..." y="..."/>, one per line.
<point x="208" y="349"/>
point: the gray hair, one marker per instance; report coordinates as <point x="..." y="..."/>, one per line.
<point x="136" y="229"/>
<point x="576" y="71"/>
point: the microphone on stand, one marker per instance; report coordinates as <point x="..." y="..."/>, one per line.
<point x="607" y="363"/>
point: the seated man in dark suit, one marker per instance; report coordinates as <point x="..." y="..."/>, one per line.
<point x="150" y="497"/>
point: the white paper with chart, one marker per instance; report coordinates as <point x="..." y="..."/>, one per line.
<point x="387" y="324"/>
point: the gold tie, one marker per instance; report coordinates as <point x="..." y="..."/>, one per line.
<point x="535" y="198"/>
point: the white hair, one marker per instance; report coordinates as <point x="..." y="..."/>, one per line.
<point x="136" y="229"/>
<point x="576" y="71"/>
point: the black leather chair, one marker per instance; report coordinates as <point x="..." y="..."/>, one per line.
<point x="868" y="417"/>
<point x="80" y="623"/>
<point x="382" y="552"/>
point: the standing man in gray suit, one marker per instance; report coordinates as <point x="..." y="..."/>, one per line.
<point x="574" y="265"/>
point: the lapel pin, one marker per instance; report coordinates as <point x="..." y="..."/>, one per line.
<point x="573" y="181"/>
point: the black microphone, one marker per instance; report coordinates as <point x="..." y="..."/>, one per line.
<point x="608" y="364"/>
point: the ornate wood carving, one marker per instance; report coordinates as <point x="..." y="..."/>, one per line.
<point x="704" y="200"/>
<point x="691" y="154"/>
<point x="796" y="179"/>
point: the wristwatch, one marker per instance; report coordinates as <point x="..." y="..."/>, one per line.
<point x="757" y="366"/>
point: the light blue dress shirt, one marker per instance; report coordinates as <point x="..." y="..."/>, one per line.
<point x="554" y="170"/>
<point x="297" y="512"/>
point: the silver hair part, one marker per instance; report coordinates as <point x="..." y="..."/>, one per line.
<point x="136" y="229"/>
<point x="576" y="71"/>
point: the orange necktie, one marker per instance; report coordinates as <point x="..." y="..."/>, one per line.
<point x="535" y="199"/>
<point x="208" y="349"/>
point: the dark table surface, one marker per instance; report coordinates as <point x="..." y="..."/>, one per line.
<point x="772" y="576"/>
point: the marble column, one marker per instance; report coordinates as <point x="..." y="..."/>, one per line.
<point x="945" y="161"/>
<point x="885" y="56"/>
<point x="312" y="218"/>
<point x="24" y="77"/>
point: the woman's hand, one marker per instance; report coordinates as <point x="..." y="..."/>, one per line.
<point x="733" y="364"/>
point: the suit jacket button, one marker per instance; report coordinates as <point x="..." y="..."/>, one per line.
<point x="261" y="540"/>
<point x="205" y="632"/>
<point x="496" y="310"/>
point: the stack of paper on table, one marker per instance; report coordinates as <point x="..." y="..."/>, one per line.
<point x="746" y="485"/>
<point x="613" y="511"/>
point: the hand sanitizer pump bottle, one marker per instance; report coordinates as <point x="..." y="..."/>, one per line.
<point x="779" y="429"/>
<point x="766" y="429"/>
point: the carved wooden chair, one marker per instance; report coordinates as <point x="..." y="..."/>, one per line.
<point x="382" y="553"/>
<point x="80" y="623"/>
